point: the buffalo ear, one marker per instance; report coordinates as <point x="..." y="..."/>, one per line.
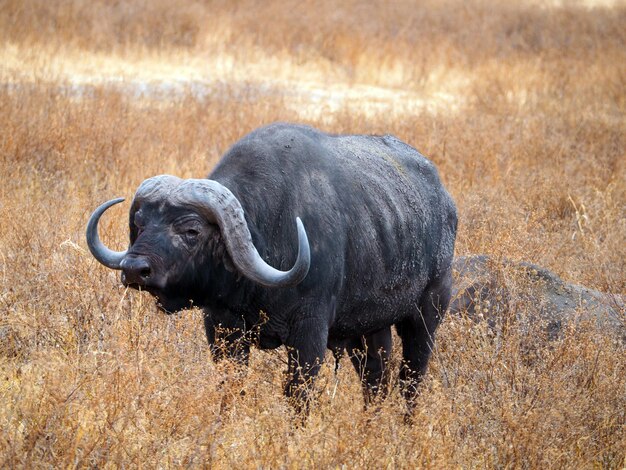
<point x="218" y="250"/>
<point x="132" y="228"/>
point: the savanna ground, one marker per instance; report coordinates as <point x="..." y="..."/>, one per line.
<point x="520" y="104"/>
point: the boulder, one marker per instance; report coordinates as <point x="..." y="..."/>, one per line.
<point x="502" y="292"/>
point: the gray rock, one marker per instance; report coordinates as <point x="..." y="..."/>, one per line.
<point x="502" y="292"/>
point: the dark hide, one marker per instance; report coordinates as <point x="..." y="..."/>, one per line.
<point x="381" y="229"/>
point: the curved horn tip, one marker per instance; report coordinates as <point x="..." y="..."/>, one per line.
<point x="112" y="202"/>
<point x="303" y="239"/>
<point x="109" y="258"/>
<point x="304" y="250"/>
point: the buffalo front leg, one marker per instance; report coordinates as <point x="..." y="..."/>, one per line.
<point x="228" y="343"/>
<point x="306" y="347"/>
<point x="226" y="336"/>
<point x="370" y="357"/>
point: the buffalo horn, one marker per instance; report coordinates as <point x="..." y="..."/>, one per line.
<point x="221" y="207"/>
<point x="111" y="259"/>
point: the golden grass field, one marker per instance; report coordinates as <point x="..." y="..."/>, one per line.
<point x="521" y="105"/>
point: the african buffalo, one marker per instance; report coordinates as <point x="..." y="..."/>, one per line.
<point x="377" y="250"/>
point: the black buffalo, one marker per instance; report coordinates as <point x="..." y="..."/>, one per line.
<point x="377" y="250"/>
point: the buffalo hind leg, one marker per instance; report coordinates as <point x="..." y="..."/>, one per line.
<point x="418" y="335"/>
<point x="370" y="357"/>
<point x="306" y="347"/>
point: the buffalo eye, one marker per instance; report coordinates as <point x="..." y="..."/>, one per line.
<point x="191" y="235"/>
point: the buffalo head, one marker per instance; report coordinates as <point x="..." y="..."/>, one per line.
<point x="179" y="230"/>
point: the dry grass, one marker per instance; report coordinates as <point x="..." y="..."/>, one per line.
<point x="521" y="107"/>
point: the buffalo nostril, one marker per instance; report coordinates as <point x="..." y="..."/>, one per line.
<point x="135" y="271"/>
